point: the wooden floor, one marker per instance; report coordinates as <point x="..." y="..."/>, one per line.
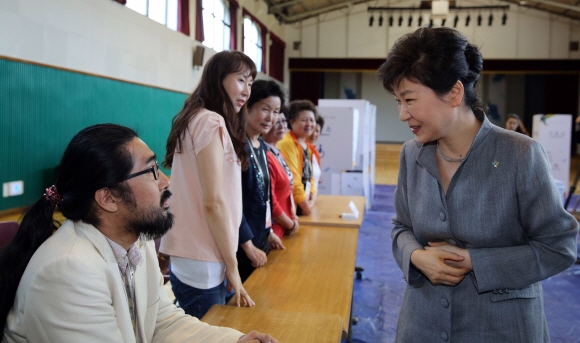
<point x="387" y="165"/>
<point x="387" y="169"/>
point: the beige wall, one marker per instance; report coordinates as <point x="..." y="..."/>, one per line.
<point x="528" y="33"/>
<point x="105" y="38"/>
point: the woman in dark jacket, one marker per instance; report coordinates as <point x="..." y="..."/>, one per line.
<point x="256" y="236"/>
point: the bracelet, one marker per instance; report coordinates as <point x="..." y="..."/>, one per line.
<point x="293" y="226"/>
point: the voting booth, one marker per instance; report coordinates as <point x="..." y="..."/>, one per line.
<point x="358" y="177"/>
<point x="337" y="145"/>
<point x="554" y="132"/>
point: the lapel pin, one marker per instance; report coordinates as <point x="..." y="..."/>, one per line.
<point x="495" y="163"/>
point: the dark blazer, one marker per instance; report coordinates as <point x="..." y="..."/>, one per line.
<point x="503" y="206"/>
<point x="254" y="207"/>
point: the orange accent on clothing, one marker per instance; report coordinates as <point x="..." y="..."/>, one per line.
<point x="281" y="193"/>
<point x="292" y="152"/>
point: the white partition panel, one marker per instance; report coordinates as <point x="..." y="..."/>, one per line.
<point x="363" y="143"/>
<point x="337" y="146"/>
<point x="554" y="132"/>
<point x="363" y="106"/>
<point x="373" y="151"/>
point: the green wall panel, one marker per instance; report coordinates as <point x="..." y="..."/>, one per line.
<point x="42" y="108"/>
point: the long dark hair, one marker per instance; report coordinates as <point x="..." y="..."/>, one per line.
<point x="436" y="58"/>
<point x="95" y="158"/>
<point x="211" y="94"/>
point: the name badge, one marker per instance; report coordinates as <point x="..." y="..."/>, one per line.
<point x="268" y="215"/>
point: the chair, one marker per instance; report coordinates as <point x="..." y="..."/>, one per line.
<point x="7" y="233"/>
<point x="164" y="261"/>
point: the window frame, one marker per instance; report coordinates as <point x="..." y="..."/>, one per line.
<point x="166" y="16"/>
<point x="225" y="22"/>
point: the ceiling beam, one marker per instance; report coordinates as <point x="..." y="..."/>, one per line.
<point x="278" y="7"/>
<point x="301" y="16"/>
<point x="557" y="4"/>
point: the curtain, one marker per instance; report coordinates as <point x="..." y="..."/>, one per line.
<point x="276" y="65"/>
<point x="199" y="21"/>
<point x="182" y="16"/>
<point x="233" y="24"/>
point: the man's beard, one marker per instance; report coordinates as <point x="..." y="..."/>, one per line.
<point x="153" y="222"/>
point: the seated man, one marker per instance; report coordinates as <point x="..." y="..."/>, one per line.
<point x="96" y="278"/>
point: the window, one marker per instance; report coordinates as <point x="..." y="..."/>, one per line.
<point x="216" y="25"/>
<point x="253" y="42"/>
<point x="162" y="11"/>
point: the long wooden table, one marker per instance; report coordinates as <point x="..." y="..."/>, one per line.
<point x="327" y="210"/>
<point x="314" y="274"/>
<point x="287" y="327"/>
<point x="306" y="285"/>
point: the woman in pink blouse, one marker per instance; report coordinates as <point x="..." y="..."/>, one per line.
<point x="205" y="151"/>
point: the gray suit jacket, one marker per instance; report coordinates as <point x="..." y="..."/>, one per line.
<point x="503" y="206"/>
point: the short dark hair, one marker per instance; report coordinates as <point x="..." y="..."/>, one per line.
<point x="320" y="121"/>
<point x="262" y="89"/>
<point x="97" y="157"/>
<point x="298" y="106"/>
<point x="436" y="58"/>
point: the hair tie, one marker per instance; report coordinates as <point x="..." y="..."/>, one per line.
<point x="52" y="195"/>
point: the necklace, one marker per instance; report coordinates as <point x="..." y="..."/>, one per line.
<point x="455" y="160"/>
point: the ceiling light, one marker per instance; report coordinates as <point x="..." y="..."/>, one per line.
<point x="371" y="20"/>
<point x="467" y="20"/>
<point x="490" y="19"/>
<point x="455" y="20"/>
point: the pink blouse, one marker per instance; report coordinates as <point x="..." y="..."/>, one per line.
<point x="190" y="236"/>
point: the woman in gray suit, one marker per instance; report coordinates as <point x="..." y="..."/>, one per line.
<point x="479" y="221"/>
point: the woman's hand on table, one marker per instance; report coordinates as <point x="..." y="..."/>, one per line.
<point x="257" y="256"/>
<point x="275" y="241"/>
<point x="257" y="337"/>
<point x="234" y="282"/>
<point x="434" y="264"/>
<point x="293" y="230"/>
<point x="466" y="263"/>
<point x="305" y="206"/>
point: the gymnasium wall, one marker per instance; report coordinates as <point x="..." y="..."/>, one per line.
<point x="42" y="108"/>
<point x="67" y="64"/>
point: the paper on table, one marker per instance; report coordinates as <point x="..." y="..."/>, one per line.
<point x="353" y="215"/>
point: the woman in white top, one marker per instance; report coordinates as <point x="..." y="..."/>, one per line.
<point x="205" y="150"/>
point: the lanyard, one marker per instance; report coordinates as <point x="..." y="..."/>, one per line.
<point x="254" y="154"/>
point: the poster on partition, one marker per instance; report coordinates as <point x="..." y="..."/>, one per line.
<point x="554" y="132"/>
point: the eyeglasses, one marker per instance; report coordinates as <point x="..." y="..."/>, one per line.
<point x="281" y="122"/>
<point x="154" y="170"/>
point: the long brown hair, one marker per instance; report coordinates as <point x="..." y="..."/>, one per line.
<point x="211" y="94"/>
